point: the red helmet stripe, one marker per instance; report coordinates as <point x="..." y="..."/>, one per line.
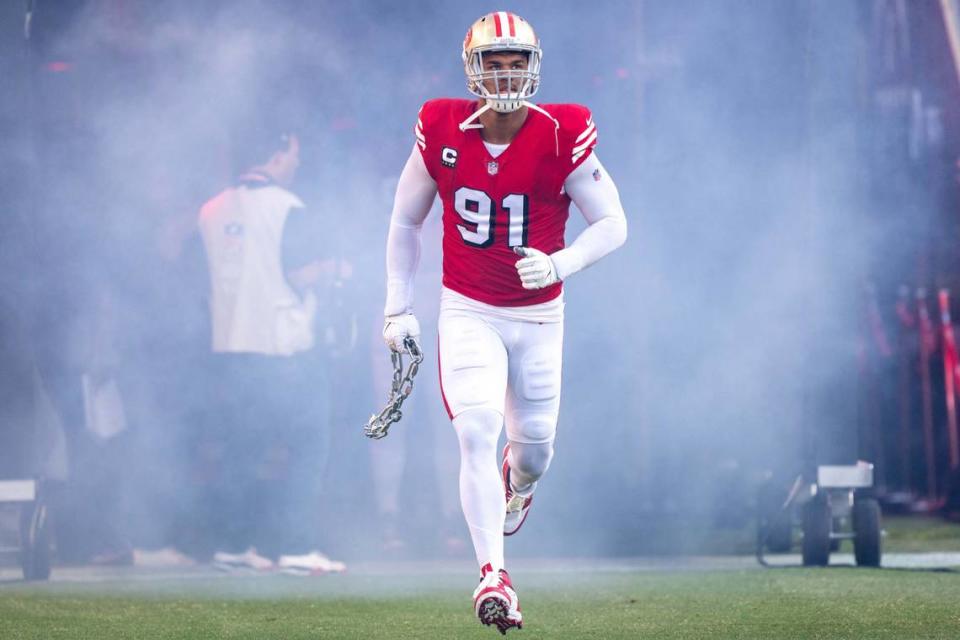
<point x="513" y="28"/>
<point x="496" y="21"/>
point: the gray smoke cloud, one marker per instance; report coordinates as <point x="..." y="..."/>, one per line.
<point x="695" y="357"/>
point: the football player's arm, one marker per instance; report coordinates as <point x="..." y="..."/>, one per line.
<point x="596" y="195"/>
<point x="415" y="194"/>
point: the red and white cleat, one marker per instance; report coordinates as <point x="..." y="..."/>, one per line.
<point x="517" y="506"/>
<point x="495" y="601"/>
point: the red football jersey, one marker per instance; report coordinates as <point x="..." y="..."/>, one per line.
<point x="491" y="205"/>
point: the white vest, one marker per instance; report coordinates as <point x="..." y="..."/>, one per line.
<point x="252" y="307"/>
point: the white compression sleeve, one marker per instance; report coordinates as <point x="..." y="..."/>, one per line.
<point x="596" y="195"/>
<point x="481" y="489"/>
<point x="415" y="194"/>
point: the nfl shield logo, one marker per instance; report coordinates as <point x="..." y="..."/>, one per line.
<point x="493" y="168"/>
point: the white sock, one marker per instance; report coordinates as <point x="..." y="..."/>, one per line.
<point x="481" y="490"/>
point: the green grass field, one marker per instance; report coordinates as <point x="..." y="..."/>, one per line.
<point x="910" y="534"/>
<point x="754" y="603"/>
<point x="725" y="596"/>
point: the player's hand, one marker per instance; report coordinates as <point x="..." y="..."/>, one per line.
<point x="398" y="327"/>
<point x="536" y="269"/>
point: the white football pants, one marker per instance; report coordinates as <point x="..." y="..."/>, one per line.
<point x="496" y="372"/>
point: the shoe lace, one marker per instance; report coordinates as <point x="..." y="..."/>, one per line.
<point x="516" y="502"/>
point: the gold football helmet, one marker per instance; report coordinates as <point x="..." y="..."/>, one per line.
<point x="502" y="31"/>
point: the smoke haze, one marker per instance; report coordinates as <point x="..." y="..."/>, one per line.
<point x="696" y="357"/>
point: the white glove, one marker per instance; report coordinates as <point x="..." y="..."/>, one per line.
<point x="536" y="269"/>
<point x="398" y="327"/>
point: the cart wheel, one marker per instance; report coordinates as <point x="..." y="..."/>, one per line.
<point x="866" y="529"/>
<point x="817" y="520"/>
<point x="775" y="521"/>
<point x="34" y="541"/>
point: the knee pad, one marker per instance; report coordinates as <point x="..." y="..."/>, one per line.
<point x="535" y="430"/>
<point x="530" y="461"/>
<point x="478" y="430"/>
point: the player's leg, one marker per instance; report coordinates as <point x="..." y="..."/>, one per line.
<point x="473" y="379"/>
<point x="533" y="404"/>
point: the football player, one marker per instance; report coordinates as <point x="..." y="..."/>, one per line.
<point x="506" y="171"/>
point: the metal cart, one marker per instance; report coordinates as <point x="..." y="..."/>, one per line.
<point x="34" y="533"/>
<point x="838" y="506"/>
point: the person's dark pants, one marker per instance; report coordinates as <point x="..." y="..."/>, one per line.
<point x="264" y="446"/>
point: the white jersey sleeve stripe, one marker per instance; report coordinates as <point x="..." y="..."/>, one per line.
<point x="586" y="132"/>
<point x="587" y="143"/>
<point x="418" y="132"/>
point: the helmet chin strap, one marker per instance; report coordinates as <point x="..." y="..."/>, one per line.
<point x="487" y="106"/>
<point x="476" y="114"/>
